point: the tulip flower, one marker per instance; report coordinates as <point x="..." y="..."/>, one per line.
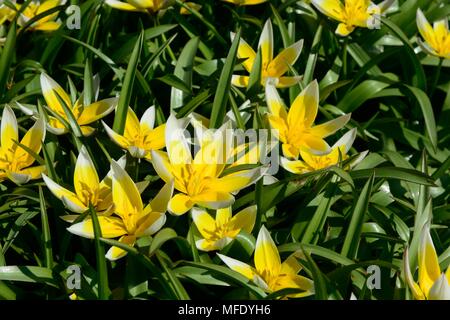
<point x="352" y="13"/>
<point x="131" y="220"/>
<point x="89" y="190"/>
<point x="269" y="273"/>
<point x="200" y="180"/>
<point x="245" y="153"/>
<point x="35" y="8"/>
<point x="84" y="115"/>
<point x="15" y="161"/>
<point x="6" y="13"/>
<point x="433" y="283"/>
<point x="313" y="162"/>
<point x="219" y="232"/>
<point x="273" y="68"/>
<point x="151" y="6"/>
<point x="294" y="128"/>
<point x="245" y="2"/>
<point x="437" y="37"/>
<point x="140" y="137"/>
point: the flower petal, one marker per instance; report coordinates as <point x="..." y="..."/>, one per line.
<point x="295" y="166"/>
<point x="303" y="111"/>
<point x="346" y="140"/>
<point x="97" y="110"/>
<point x="160" y="202"/>
<point x="267" y="258"/>
<point x="245" y="51"/>
<point x="148" y="119"/>
<point x="115" y="253"/>
<point x="151" y="223"/>
<point x="85" y="179"/>
<point x="344" y="30"/>
<point x="328" y="128"/>
<point x="235" y="181"/>
<point x="425" y="28"/>
<point x="440" y="289"/>
<point x="126" y="196"/>
<point x="111" y="227"/>
<point x="244" y="219"/>
<point x="331" y="8"/>
<point x="180" y="204"/>
<point x="285" y="82"/>
<point x="177" y="144"/>
<point x="71" y="198"/>
<point x="50" y="90"/>
<point x="121" y="141"/>
<point x="274" y="102"/>
<point x="266" y="44"/>
<point x="122" y="5"/>
<point x="415" y="289"/>
<point x="223" y="215"/>
<point x="214" y="200"/>
<point x="33" y="140"/>
<point x="9" y="130"/>
<point x="204" y="222"/>
<point x="284" y="60"/>
<point x="429" y="270"/>
<point x="162" y="166"/>
<point x="240" y="81"/>
<point x="238" y="266"/>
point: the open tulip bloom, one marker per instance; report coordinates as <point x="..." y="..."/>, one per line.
<point x="352" y="13"/>
<point x="437" y="37"/>
<point x="269" y="273"/>
<point x="271" y="68"/>
<point x="35" y="8"/>
<point x="151" y="6"/>
<point x="219" y="232"/>
<point x="433" y="283"/>
<point x="295" y="128"/>
<point x="199" y="179"/>
<point x="89" y="190"/>
<point x="131" y="220"/>
<point x="84" y="115"/>
<point x="15" y="161"/>
<point x="312" y="162"/>
<point x="139" y="137"/>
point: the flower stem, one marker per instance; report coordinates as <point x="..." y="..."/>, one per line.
<point x="436" y="77"/>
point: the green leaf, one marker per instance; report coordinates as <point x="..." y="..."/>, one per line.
<point x="427" y="111"/>
<point x="6" y="58"/>
<point x="394" y="173"/>
<point x="352" y="237"/>
<point x="28" y="274"/>
<point x="183" y="71"/>
<point x="176" y="83"/>
<point x="223" y="87"/>
<point x="254" y="82"/>
<point x="320" y="285"/>
<point x="160" y="238"/>
<point x="176" y="284"/>
<point x="418" y="74"/>
<point x="230" y="275"/>
<point x="102" y="270"/>
<point x="361" y="93"/>
<point x="127" y="87"/>
<point x="46" y="239"/>
<point x="193" y="104"/>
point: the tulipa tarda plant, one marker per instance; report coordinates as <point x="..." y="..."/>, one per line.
<point x="224" y="149"/>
